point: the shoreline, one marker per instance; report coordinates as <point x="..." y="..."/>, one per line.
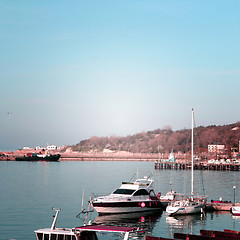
<point x="87" y="156"/>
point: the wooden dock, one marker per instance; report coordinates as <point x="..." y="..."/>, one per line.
<point x="197" y="166"/>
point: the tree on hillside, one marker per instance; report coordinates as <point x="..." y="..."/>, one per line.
<point x="166" y="139"/>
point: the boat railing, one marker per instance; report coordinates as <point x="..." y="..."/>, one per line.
<point x="97" y="195"/>
<point x="122" y="198"/>
<point x="182" y="197"/>
<point x="143" y="184"/>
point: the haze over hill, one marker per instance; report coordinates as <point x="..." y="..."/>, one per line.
<point x="165" y="140"/>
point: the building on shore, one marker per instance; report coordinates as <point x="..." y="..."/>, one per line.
<point x="216" y="148"/>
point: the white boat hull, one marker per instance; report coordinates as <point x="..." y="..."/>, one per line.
<point x="116" y="210"/>
<point x="127" y="206"/>
<point x="183" y="210"/>
<point x="235" y="211"/>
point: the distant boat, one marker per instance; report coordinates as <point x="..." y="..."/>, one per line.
<point x="136" y="196"/>
<point x="166" y="199"/>
<point x="235" y="210"/>
<point x="183" y="204"/>
<point x="219" y="205"/>
<point x="171" y="157"/>
<point x="43" y="156"/>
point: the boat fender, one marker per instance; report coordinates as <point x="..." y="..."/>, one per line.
<point x="143" y="204"/>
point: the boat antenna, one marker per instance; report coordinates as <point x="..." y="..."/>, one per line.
<point x="82" y="199"/>
<point x="88" y="210"/>
<point x="55" y="218"/>
<point x="83" y="211"/>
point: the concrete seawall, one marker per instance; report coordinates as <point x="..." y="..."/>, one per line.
<point x="108" y="157"/>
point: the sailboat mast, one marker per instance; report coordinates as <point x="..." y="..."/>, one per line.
<point x="192" y="152"/>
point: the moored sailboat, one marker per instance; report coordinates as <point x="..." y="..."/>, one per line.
<point x="183" y="204"/>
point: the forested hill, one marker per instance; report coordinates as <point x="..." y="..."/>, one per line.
<point x="164" y="140"/>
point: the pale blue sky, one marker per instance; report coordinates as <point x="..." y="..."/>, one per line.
<point x="74" y="69"/>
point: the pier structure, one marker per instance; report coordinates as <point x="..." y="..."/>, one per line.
<point x="197" y="166"/>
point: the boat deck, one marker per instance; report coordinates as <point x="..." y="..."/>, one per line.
<point x="204" y="235"/>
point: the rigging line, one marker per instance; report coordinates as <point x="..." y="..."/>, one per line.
<point x="184" y="182"/>
<point x="150" y="175"/>
<point x="82" y="199"/>
<point x="202" y="182"/>
<point x="132" y="177"/>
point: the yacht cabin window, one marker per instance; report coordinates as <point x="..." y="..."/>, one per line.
<point x="123" y="191"/>
<point x="152" y="193"/>
<point x="141" y="192"/>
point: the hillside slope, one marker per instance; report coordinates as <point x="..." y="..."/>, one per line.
<point x="164" y="140"/>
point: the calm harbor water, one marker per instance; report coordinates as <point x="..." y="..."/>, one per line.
<point x="29" y="190"/>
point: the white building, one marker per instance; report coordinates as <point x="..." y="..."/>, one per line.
<point x="38" y="148"/>
<point x="27" y="148"/>
<point x="216" y="148"/>
<point x="51" y="147"/>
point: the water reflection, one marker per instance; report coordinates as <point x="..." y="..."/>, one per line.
<point x="185" y="223"/>
<point x="145" y="221"/>
<point x="218" y="214"/>
<point x="236" y="217"/>
<point x="236" y="221"/>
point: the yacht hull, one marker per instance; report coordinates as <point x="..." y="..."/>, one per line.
<point x="126" y="207"/>
<point x="50" y="158"/>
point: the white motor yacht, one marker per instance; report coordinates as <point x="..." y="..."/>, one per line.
<point x="137" y="196"/>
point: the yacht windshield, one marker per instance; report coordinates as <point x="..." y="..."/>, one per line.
<point x="123" y="191"/>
